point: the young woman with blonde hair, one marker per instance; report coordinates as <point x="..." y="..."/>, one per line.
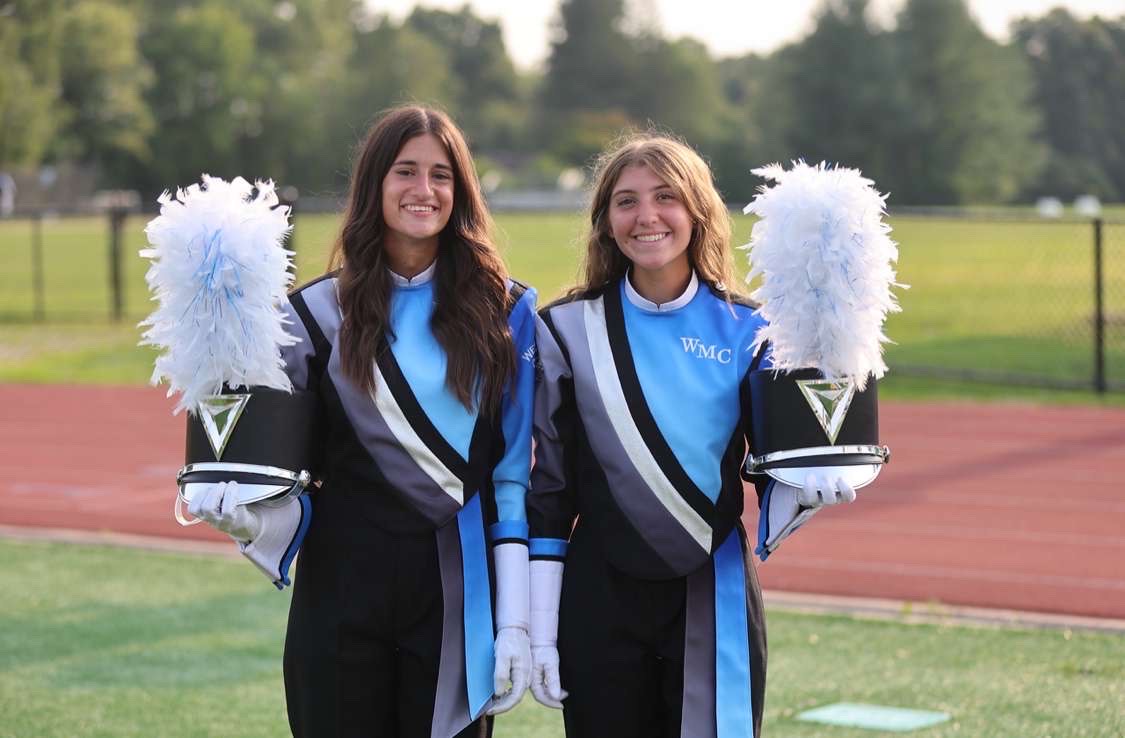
<point x="641" y="424"/>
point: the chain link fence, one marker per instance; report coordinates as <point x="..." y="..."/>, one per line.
<point x="1016" y="300"/>
<point x="72" y="268"/>
<point x="1011" y="300"/>
<point x="1113" y="304"/>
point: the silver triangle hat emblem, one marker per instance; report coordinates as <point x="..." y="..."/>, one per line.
<point x="829" y="400"/>
<point x="219" y="414"/>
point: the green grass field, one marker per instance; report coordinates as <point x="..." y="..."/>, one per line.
<point x="1010" y="297"/>
<point x="108" y="642"/>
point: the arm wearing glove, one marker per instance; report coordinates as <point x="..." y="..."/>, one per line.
<point x="512" y="649"/>
<point x="509" y="535"/>
<point x="546" y="586"/>
<point x="267" y="535"/>
<point x="550" y="508"/>
<point x="784" y="508"/>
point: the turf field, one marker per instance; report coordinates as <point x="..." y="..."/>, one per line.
<point x="1011" y="297"/>
<point x="100" y="641"/>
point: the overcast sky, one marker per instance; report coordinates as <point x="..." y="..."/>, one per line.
<point x="728" y="27"/>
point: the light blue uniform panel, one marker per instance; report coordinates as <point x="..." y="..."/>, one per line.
<point x="423" y="363"/>
<point x="690" y="362"/>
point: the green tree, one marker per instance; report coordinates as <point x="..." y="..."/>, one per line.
<point x="486" y="94"/>
<point x="103" y="84"/>
<point x="1079" y="72"/>
<point x="676" y="86"/>
<point x="29" y="79"/>
<point x="588" y="84"/>
<point x="203" y="98"/>
<point x="971" y="131"/>
<point x="387" y="64"/>
<point x="751" y="134"/>
<point x="836" y="95"/>
<point x="245" y="87"/>
<point x="302" y="52"/>
<point x="592" y="61"/>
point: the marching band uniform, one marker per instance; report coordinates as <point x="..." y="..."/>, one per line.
<point x="391" y="615"/>
<point x="641" y="417"/>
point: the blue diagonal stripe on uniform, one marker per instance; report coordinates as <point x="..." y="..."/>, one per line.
<point x="733" y="709"/>
<point x="479" y="656"/>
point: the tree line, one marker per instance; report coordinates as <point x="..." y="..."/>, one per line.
<point x="148" y="93"/>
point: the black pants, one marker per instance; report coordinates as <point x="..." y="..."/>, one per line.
<point x="365" y="627"/>
<point x="621" y="648"/>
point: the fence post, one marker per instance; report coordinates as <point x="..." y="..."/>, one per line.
<point x="116" y="226"/>
<point x="1099" y="312"/>
<point x="38" y="301"/>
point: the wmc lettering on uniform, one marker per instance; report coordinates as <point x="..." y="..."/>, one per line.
<point x="702" y="350"/>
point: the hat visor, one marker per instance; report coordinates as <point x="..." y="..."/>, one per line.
<point x="856" y="475"/>
<point x="247" y="493"/>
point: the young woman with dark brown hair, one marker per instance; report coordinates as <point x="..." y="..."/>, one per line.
<point x="421" y="350"/>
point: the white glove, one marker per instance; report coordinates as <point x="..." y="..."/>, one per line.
<point x="513" y="669"/>
<point x="512" y="648"/>
<point x="787" y="508"/>
<point x="546" y="586"/>
<point x="218" y="506"/>
<point x="824" y="489"/>
<point x="546" y="686"/>
<point x="267" y="534"/>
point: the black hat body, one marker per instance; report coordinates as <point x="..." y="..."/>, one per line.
<point x="802" y="419"/>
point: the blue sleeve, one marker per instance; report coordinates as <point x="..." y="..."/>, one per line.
<point x="511" y="476"/>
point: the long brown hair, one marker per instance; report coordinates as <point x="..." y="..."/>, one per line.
<point x="689" y="176"/>
<point x="470" y="291"/>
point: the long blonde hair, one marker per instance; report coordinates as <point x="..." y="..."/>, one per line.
<point x="689" y="176"/>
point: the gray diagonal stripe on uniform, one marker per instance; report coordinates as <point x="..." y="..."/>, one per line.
<point x="697" y="717"/>
<point x="396" y="464"/>
<point x="609" y="387"/>
<point x="652" y="521"/>
<point x="426" y="460"/>
<point x="451" y="700"/>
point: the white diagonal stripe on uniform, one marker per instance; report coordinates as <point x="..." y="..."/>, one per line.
<point x="415" y="446"/>
<point x="609" y="387"/>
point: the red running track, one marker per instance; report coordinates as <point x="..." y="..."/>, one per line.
<point x="1006" y="506"/>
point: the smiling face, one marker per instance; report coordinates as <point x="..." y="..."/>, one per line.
<point x="651" y="225"/>
<point x="417" y="196"/>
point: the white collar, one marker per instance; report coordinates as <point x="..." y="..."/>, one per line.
<point x="418" y="279"/>
<point x="649" y="306"/>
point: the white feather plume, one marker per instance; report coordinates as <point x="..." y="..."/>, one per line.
<point x="825" y="256"/>
<point x="219" y="273"/>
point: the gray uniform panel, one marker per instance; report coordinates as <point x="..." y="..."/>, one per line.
<point x="296" y="357"/>
<point x="451" y="704"/>
<point x="371" y="428"/>
<point x="698" y="716"/>
<point x="652" y="520"/>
